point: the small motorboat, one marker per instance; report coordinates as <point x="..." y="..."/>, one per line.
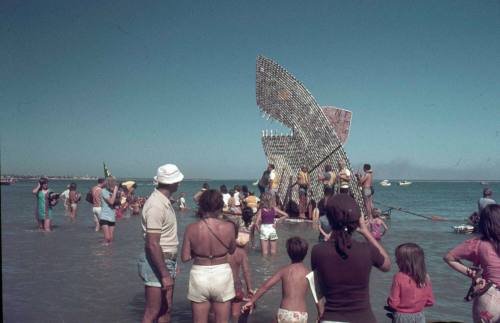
<point x="463" y="228"/>
<point x="7" y="180"/>
<point x="484" y="183"/>
<point x="385" y="182"/>
<point x="404" y="183"/>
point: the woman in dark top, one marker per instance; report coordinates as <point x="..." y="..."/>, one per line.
<point x="343" y="264"/>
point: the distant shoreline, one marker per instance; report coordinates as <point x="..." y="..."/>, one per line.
<point x="376" y="180"/>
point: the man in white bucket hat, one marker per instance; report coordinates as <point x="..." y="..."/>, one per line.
<point x="158" y="265"/>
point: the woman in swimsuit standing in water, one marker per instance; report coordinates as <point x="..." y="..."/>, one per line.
<point x="209" y="242"/>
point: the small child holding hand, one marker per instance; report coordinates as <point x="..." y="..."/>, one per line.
<point x="295" y="285"/>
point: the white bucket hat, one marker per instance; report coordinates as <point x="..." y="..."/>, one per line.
<point x="168" y="174"/>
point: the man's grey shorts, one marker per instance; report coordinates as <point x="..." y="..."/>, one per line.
<point x="150" y="276"/>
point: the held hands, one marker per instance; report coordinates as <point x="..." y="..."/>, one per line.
<point x="248" y="307"/>
<point x="167" y="282"/>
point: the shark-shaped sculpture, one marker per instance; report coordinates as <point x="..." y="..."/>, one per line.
<point x="317" y="134"/>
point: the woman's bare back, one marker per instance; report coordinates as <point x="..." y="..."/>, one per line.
<point x="210" y="239"/>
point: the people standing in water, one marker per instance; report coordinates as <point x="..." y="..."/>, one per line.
<point x="239" y="262"/>
<point x="486" y="200"/>
<point x="65" y="197"/>
<point x="204" y="187"/>
<point x="483" y="251"/>
<point x="273" y="180"/>
<point x="303" y="182"/>
<point x="96" y="199"/>
<point x="328" y="178"/>
<point x="377" y="224"/>
<point x="43" y="207"/>
<point x="225" y="196"/>
<point x="411" y="289"/>
<point x="182" y="202"/>
<point x="343" y="264"/>
<point x="158" y="264"/>
<point x="293" y="307"/>
<point x="107" y="218"/>
<point x="366" y="182"/>
<point x="209" y="242"/>
<point x="265" y="223"/>
<point x="74" y="198"/>
<point x="252" y="201"/>
<point x="263" y="183"/>
<point x="323" y="225"/>
<point x="303" y="179"/>
<point x="243" y="193"/>
<point x="236" y="195"/>
<point x="344" y="177"/>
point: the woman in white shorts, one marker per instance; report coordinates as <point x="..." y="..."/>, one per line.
<point x="209" y="242"/>
<point x="265" y="223"/>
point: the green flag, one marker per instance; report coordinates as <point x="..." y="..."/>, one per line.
<point x="107" y="173"/>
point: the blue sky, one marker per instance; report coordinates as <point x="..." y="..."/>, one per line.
<point x="141" y="83"/>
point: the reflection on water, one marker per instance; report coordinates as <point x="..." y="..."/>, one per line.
<point x="69" y="276"/>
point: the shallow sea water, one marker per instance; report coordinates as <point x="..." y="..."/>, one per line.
<point x="69" y="276"/>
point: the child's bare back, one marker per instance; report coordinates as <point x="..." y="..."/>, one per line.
<point x="293" y="306"/>
<point x="294" y="287"/>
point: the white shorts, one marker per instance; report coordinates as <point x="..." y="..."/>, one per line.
<point x="96" y="211"/>
<point x="211" y="283"/>
<point x="268" y="232"/>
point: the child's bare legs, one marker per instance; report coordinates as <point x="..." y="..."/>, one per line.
<point x="73" y="212"/>
<point x="46" y="225"/>
<point x="96" y="221"/>
<point x="235" y="311"/>
<point x="108" y="233"/>
<point x="274" y="247"/>
<point x="264" y="244"/>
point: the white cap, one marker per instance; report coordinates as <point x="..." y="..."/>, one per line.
<point x="168" y="174"/>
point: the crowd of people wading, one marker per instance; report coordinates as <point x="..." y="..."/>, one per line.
<point x="232" y="222"/>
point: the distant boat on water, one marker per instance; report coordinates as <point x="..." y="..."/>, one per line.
<point x="385" y="182"/>
<point x="7" y="181"/>
<point x="404" y="183"/>
<point x="484" y="183"/>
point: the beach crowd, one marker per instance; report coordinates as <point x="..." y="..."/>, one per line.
<point x="232" y="222"/>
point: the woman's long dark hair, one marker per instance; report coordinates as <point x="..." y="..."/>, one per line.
<point x="411" y="261"/>
<point x="489" y="225"/>
<point x="342" y="233"/>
